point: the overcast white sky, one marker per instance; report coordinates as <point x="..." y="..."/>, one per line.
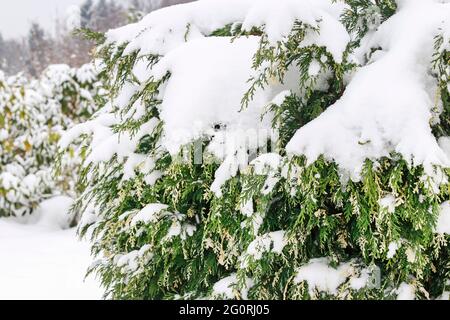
<point x="16" y="15"/>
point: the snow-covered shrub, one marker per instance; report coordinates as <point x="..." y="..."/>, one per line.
<point x="33" y="115"/>
<point x="271" y="149"/>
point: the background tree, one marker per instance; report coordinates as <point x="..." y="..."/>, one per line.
<point x="86" y="13"/>
<point x="40" y="50"/>
<point x="353" y="186"/>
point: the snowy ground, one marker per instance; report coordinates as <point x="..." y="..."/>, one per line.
<point x="42" y="262"/>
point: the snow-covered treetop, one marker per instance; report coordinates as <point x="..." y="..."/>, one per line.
<point x="388" y="106"/>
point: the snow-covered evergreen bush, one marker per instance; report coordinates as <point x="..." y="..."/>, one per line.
<point x="271" y="149"/>
<point x="33" y="115"/>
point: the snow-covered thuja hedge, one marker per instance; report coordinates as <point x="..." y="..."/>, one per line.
<point x="271" y="149"/>
<point x="33" y="115"/>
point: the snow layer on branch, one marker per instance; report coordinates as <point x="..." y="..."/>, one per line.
<point x="322" y="277"/>
<point x="388" y="203"/>
<point x="122" y="145"/>
<point x="268" y="164"/>
<point x="130" y="262"/>
<point x="386" y="107"/>
<point x="227" y="287"/>
<point x="269" y="242"/>
<point x="165" y="29"/>
<point x="34" y="114"/>
<point x="443" y="224"/>
<point x="55" y="213"/>
<point x="149" y="213"/>
<point x="319" y="275"/>
<point x="196" y="62"/>
<point x="105" y="143"/>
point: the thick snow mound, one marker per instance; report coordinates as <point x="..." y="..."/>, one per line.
<point x="223" y="67"/>
<point x="163" y="30"/>
<point x="55" y="213"/>
<point x="387" y="106"/>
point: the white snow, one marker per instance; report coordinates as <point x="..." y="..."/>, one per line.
<point x="388" y="203"/>
<point x="392" y="249"/>
<point x="410" y="255"/>
<point x="406" y="292"/>
<point x="163" y="30"/>
<point x="444" y="143"/>
<point x="226" y="287"/>
<point x="122" y="145"/>
<point x="105" y="143"/>
<point x="221" y="64"/>
<point x="443" y="224"/>
<point x="247" y="208"/>
<point x="281" y="97"/>
<point x="224" y="67"/>
<point x="268" y="164"/>
<point x="314" y="68"/>
<point x="150" y="213"/>
<point x="128" y="261"/>
<point x="269" y="242"/>
<point x="191" y="113"/>
<point x="319" y="275"/>
<point x="322" y="277"/>
<point x="38" y="262"/>
<point x="444" y="296"/>
<point x="54" y="213"/>
<point x="178" y="229"/>
<point x="357" y="283"/>
<point x="278" y="17"/>
<point x="133" y="161"/>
